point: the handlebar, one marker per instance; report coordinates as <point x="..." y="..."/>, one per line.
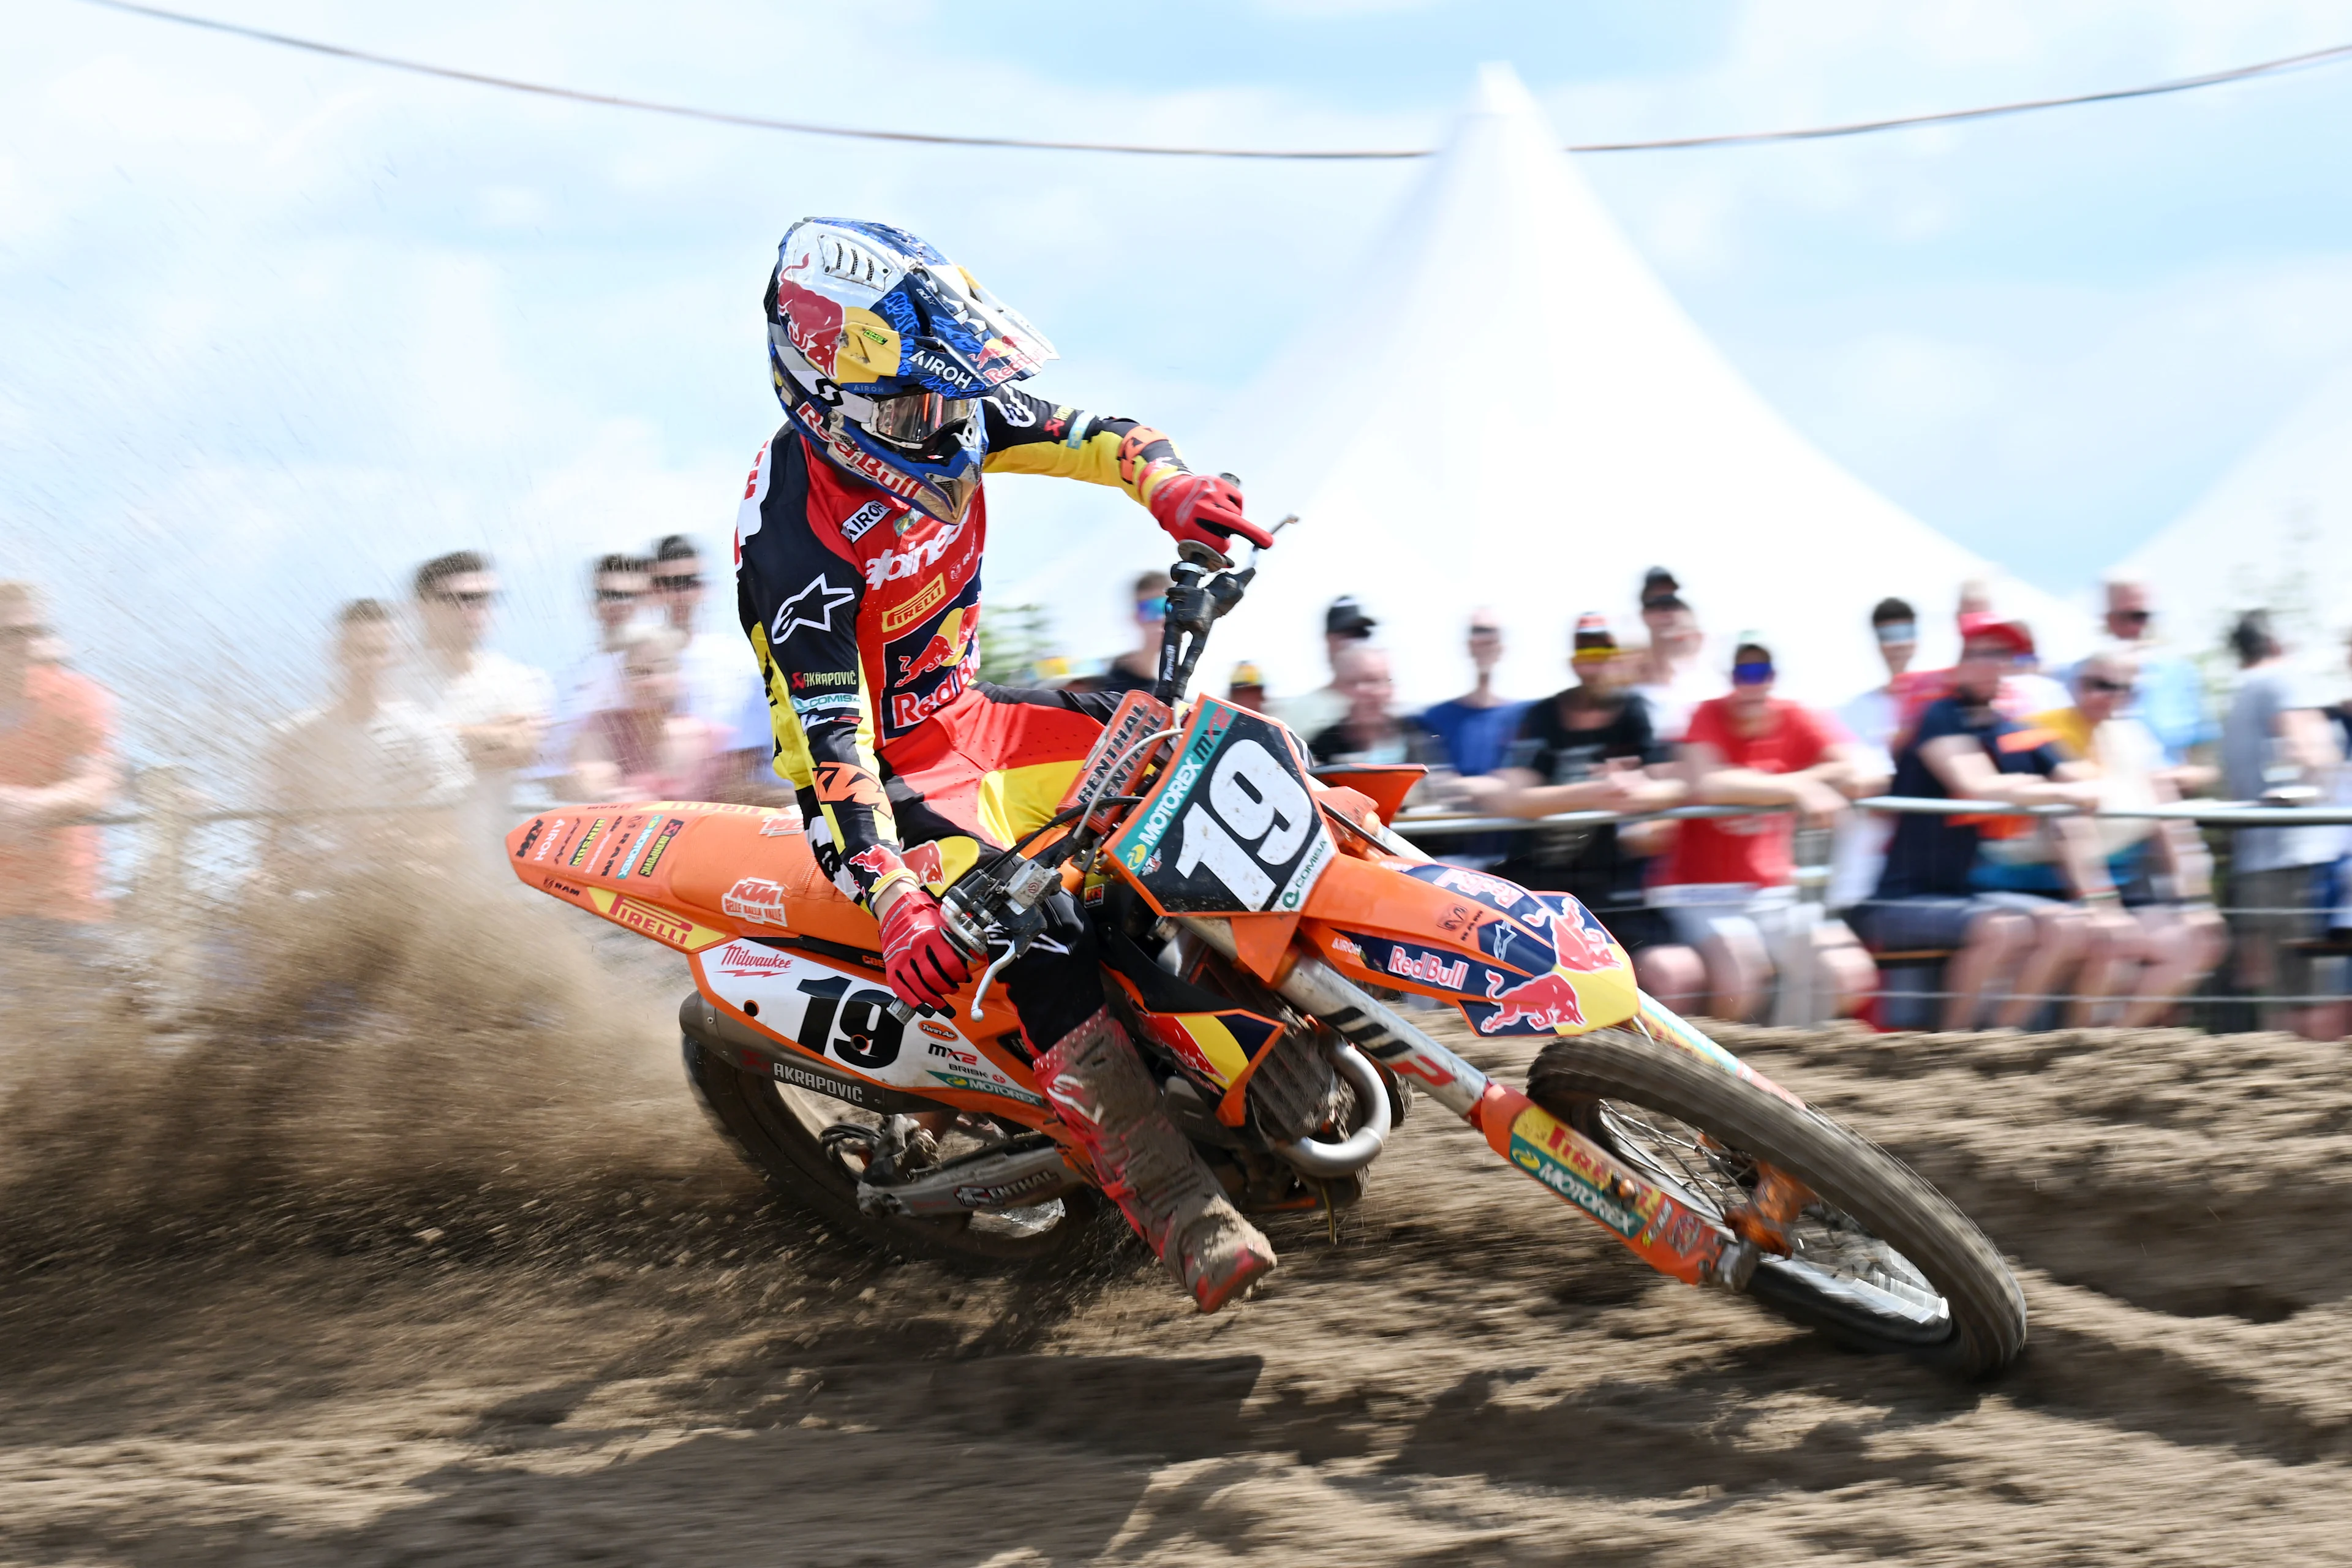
<point x="998" y="904"/>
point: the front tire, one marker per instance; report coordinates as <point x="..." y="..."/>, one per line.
<point x="1882" y="1262"/>
<point x="778" y="1132"/>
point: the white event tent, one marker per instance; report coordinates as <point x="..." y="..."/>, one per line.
<point x="2274" y="533"/>
<point x="1503" y="406"/>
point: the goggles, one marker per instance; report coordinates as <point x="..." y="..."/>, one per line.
<point x="917" y="420"/>
<point x="1154" y="609"/>
<point x="1898" y="631"/>
<point x="1755" y="672"/>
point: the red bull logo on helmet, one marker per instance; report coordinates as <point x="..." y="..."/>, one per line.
<point x="812" y="320"/>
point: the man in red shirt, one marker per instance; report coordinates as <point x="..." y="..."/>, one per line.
<point x="1728" y="884"/>
<point x="56" y="763"/>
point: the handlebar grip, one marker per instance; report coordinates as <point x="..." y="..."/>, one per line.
<point x="902" y="1009"/>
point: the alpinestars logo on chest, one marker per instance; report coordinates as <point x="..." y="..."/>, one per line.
<point x="812" y="607"/>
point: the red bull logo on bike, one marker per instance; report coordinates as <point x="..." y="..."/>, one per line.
<point x="1548" y="1004"/>
<point x="1582" y="943"/>
<point x="1430" y="968"/>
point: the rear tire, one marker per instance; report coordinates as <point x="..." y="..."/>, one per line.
<point x="1604" y="1082"/>
<point x="779" y="1138"/>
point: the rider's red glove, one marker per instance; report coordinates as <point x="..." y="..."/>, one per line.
<point x="1207" y="510"/>
<point x="924" y="967"/>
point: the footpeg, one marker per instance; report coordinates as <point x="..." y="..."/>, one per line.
<point x="1012" y="1176"/>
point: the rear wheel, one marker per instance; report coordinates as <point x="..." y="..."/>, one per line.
<point x="1878" y="1259"/>
<point x="782" y="1132"/>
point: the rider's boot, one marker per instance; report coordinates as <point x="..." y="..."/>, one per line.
<point x="1099" y="1087"/>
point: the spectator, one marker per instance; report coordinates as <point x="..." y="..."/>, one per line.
<point x="722" y="682"/>
<point x="617" y="588"/>
<point x="2026" y="687"/>
<point x="363" y="749"/>
<point x="1370" y="732"/>
<point x="497" y="708"/>
<point x="1728" y="886"/>
<point x="1874" y="717"/>
<point x="1138" y="669"/>
<point x="1964" y="748"/>
<point x="1587" y="748"/>
<point x="1247" y="688"/>
<point x="1477" y="728"/>
<point x="1678" y="680"/>
<point x="649" y="746"/>
<point x="56" y="764"/>
<point x="2161" y="867"/>
<point x="2170" y="693"/>
<point x="1344" y="624"/>
<point x="2276" y="746"/>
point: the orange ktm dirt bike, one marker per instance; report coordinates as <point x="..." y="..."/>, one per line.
<point x="1251" y="918"/>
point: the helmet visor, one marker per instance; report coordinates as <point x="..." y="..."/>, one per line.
<point x="918" y="420"/>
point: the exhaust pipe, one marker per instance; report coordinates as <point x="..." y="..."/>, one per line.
<point x="1327" y="1161"/>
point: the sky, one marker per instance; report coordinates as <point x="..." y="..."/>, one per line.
<point x="278" y="326"/>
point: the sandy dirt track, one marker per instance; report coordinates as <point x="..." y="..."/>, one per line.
<point x="398" y="1253"/>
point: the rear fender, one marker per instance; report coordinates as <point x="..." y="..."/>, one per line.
<point x="788" y="1005"/>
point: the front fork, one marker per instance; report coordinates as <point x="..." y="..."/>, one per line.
<point x="1664" y="1229"/>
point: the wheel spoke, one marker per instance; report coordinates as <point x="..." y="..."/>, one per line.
<point x="1825" y="1241"/>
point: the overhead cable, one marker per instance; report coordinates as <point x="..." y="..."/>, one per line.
<point x="763" y="122"/>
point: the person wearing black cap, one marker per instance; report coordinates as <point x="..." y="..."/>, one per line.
<point x="1345" y="625"/>
<point x="1586" y="749"/>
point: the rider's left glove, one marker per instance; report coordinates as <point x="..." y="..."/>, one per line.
<point x="1207" y="510"/>
<point x="922" y="965"/>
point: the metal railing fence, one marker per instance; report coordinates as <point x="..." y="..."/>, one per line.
<point x="167" y="812"/>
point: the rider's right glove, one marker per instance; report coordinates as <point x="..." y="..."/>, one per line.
<point x="924" y="967"/>
<point x="1206" y="509"/>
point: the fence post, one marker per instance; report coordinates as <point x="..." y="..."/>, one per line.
<point x="167" y="805"/>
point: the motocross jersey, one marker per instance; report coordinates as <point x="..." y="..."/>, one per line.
<point x="864" y="614"/>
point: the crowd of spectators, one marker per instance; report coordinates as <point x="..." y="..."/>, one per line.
<point x="1954" y="919"/>
<point x="1941" y="918"/>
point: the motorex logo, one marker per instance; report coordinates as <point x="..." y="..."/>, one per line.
<point x="1144" y="841"/>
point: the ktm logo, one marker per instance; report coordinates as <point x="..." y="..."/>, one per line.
<point x="842" y="783"/>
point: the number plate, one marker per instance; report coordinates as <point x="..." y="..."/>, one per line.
<point x="1230" y="827"/>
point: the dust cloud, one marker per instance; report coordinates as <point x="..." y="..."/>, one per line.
<point x="398" y="1238"/>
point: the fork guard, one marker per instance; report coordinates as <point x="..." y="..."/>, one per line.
<point x="1665" y="1231"/>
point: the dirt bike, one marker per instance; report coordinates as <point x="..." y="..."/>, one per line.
<point x="1248" y="910"/>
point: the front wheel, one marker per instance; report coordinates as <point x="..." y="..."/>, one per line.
<point x="1877" y="1259"/>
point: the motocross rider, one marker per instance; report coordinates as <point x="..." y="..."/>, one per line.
<point x="857" y="578"/>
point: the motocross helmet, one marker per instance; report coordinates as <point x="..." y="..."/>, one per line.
<point x="881" y="349"/>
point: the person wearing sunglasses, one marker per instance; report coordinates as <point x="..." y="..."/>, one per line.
<point x="56" y="763"/>
<point x="859" y="544"/>
<point x="2161" y="870"/>
<point x="1730" y="885"/>
<point x="1138" y="669"/>
<point x="1932" y="894"/>
<point x="592" y="683"/>
<point x="720" y="679"/>
<point x="2169" y="693"/>
<point x="499" y="708"/>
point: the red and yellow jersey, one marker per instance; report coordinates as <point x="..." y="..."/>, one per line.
<point x="864" y="612"/>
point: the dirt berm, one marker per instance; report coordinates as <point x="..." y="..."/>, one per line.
<point x="408" y="1245"/>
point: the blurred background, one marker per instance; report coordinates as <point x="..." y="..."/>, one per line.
<point x="281" y="326"/>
